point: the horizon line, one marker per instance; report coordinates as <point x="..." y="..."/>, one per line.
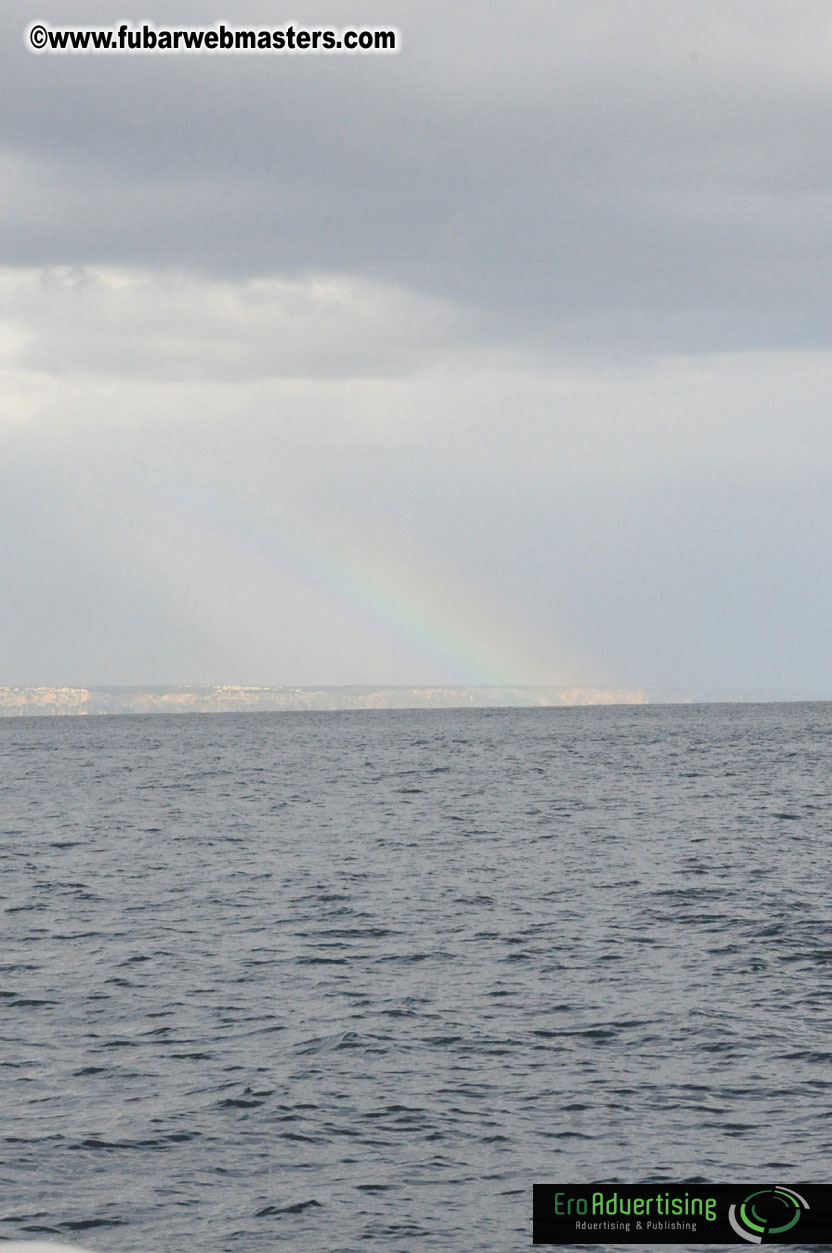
<point x="24" y="700"/>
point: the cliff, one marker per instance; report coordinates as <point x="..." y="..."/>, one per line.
<point x="40" y="701"/>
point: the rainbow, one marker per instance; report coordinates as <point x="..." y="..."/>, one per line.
<point x="386" y="582"/>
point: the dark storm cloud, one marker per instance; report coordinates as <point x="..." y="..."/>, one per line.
<point x="646" y="175"/>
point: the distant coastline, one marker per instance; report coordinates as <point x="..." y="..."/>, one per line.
<point x="74" y="701"/>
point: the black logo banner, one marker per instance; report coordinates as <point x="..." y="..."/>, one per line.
<point x="682" y="1213"/>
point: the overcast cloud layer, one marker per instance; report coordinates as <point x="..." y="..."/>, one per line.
<point x="507" y="358"/>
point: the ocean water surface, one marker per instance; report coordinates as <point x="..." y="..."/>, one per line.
<point x="355" y="981"/>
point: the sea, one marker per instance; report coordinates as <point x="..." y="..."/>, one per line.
<point x="353" y="981"/>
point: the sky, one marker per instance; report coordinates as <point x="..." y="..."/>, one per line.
<point x="503" y="359"/>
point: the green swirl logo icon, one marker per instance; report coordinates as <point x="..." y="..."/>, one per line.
<point x="770" y="1212"/>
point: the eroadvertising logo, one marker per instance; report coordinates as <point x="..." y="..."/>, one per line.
<point x="769" y="1212"/>
<point x="682" y="1213"/>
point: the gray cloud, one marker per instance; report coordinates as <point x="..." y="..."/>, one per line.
<point x="654" y="176"/>
<point x="172" y="326"/>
